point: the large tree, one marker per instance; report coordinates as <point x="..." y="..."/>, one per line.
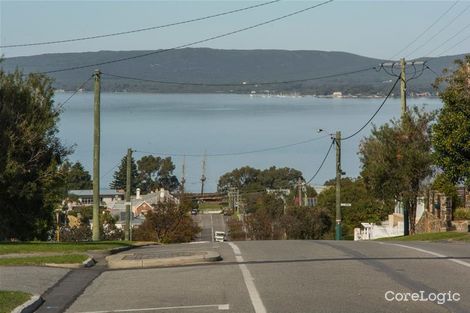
<point x="156" y="172"/>
<point x="451" y="133"/>
<point x="31" y="153"/>
<point x="248" y="179"/>
<point x="396" y="159"/>
<point x="75" y="176"/>
<point x="364" y="206"/>
<point x="120" y="176"/>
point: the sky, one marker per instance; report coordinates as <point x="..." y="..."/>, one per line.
<point x="377" y="29"/>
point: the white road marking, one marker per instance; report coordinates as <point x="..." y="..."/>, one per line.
<point x="249" y="282"/>
<point x="218" y="306"/>
<point x="432" y="253"/>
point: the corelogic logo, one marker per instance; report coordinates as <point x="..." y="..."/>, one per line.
<point x="423" y="296"/>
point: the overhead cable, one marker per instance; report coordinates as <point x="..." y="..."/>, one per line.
<point x="242" y="83"/>
<point x="233" y="153"/>
<point x="139" y="29"/>
<point x="77" y="67"/>
<point x="375" y="113"/>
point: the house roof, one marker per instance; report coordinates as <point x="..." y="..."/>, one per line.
<point x="89" y="192"/>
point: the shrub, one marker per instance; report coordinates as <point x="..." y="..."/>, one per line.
<point x="462" y="214"/>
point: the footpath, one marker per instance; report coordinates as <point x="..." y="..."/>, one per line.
<point x="55" y="288"/>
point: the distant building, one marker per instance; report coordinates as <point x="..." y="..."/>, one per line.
<point x="337" y="94"/>
<point x="79" y="198"/>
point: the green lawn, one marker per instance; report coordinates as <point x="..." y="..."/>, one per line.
<point x="63" y="247"/>
<point x="209" y="206"/>
<point x="41" y="260"/>
<point x="434" y="237"/>
<point x="11" y="299"/>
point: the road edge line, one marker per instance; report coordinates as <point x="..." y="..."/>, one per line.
<point x="255" y="298"/>
<point x="432" y="253"/>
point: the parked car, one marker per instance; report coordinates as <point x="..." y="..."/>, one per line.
<point x="194" y="212"/>
<point x="219" y="236"/>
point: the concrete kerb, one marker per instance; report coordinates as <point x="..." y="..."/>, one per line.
<point x="119" y="261"/>
<point x="29" y="306"/>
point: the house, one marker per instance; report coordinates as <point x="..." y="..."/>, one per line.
<point x="141" y="204"/>
<point x="79" y="198"/>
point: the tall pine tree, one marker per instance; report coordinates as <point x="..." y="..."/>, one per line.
<point x="120" y="176"/>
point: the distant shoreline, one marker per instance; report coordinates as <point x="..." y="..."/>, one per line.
<point x="259" y="95"/>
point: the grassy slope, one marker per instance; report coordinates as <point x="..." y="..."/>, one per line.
<point x="454" y="236"/>
<point x="41" y="260"/>
<point x="11" y="299"/>
<point x="66" y="247"/>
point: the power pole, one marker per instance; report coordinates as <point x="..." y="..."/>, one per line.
<point x="299" y="185"/>
<point x="338" y="232"/>
<point x="96" y="157"/>
<point x="203" y="176"/>
<point x="127" y="231"/>
<point x="183" y="180"/>
<point x="403" y="86"/>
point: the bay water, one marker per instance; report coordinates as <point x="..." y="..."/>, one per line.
<point x="231" y="129"/>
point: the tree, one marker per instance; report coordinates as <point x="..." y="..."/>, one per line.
<point x="451" y="133"/>
<point x="155" y="172"/>
<point x="307" y="223"/>
<point x="75" y="177"/>
<point x="364" y="206"/>
<point x="248" y="179"/>
<point x="31" y="153"/>
<point x="120" y="176"/>
<point x="397" y="158"/>
<point x="169" y="223"/>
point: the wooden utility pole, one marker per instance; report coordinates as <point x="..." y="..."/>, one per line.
<point x="299" y="195"/>
<point x="127" y="230"/>
<point x="96" y="157"/>
<point x="183" y="180"/>
<point x="203" y="176"/>
<point x="338" y="231"/>
<point x="403" y="86"/>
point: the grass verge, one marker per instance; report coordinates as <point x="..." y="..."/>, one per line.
<point x="11" y="299"/>
<point x="41" y="260"/>
<point x="449" y="236"/>
<point x="62" y="247"/>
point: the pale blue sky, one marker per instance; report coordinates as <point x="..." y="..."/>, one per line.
<point x="371" y="28"/>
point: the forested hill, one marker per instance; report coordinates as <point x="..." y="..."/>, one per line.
<point x="203" y="65"/>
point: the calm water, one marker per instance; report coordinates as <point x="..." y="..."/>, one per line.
<point x="191" y="124"/>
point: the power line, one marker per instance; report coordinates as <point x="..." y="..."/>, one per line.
<point x="440" y="31"/>
<point x="139" y="29"/>
<point x="75" y="92"/>
<point x="323" y="162"/>
<point x="234" y="153"/>
<point x="449" y="39"/>
<point x="425" y="31"/>
<point x="458" y="43"/>
<point x="375" y="113"/>
<point x="191" y="43"/>
<point x="243" y="83"/>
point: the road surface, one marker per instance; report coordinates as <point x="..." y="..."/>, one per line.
<point x="209" y="224"/>
<point x="293" y="277"/>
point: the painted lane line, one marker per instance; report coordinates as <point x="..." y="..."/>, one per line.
<point x="249" y="281"/>
<point x="221" y="307"/>
<point x="432" y="253"/>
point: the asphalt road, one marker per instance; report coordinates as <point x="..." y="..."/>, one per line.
<point x="209" y="224"/>
<point x="293" y="276"/>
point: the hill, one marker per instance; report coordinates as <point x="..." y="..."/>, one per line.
<point x="204" y="65"/>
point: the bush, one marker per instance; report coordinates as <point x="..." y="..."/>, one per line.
<point x="462" y="214"/>
<point x="236" y="231"/>
<point x="169" y="223"/>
